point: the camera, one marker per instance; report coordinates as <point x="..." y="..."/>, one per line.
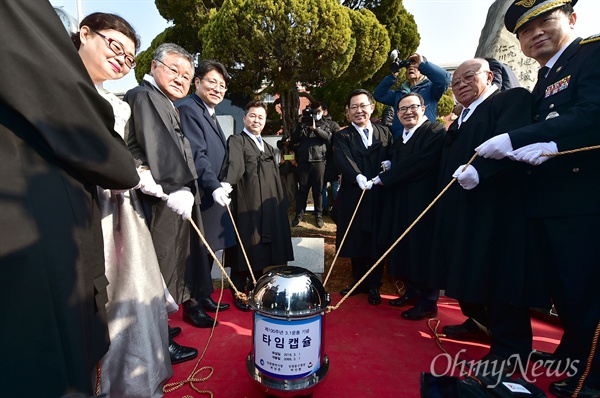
<point x="308" y="115"/>
<point x="398" y="63"/>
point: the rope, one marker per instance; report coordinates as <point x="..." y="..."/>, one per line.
<point x="242" y="246"/>
<point x="588" y="365"/>
<point x="98" y="378"/>
<point x="238" y="294"/>
<point x="587" y="148"/>
<point x="337" y="253"/>
<point x="192" y="378"/>
<point x="357" y="284"/>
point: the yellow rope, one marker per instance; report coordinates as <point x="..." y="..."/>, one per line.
<point x="98" y="378"/>
<point x="329" y="309"/>
<point x="192" y="378"/>
<point x="238" y="294"/>
<point x="344" y="238"/>
<point x="241" y="246"/>
<point x="587" y="148"/>
<point x="589" y="362"/>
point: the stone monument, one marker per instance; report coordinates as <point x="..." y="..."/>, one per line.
<point x="497" y="42"/>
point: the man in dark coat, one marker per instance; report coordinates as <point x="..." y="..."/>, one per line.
<point x="478" y="244"/>
<point x="259" y="203"/>
<point x="412" y="185"/>
<point x="200" y="126"/>
<point x="156" y="142"/>
<point x="563" y="193"/>
<point x="360" y="152"/>
<point x="309" y="141"/>
<point x="57" y="143"/>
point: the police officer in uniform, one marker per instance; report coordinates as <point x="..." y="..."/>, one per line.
<point x="563" y="199"/>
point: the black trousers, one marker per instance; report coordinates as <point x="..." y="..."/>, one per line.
<point x="198" y="281"/>
<point x="310" y="175"/>
<point x="569" y="251"/>
<point x="360" y="266"/>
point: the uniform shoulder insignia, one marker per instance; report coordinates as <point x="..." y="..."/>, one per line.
<point x="591" y="39"/>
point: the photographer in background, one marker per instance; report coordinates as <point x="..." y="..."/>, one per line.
<point x="423" y="77"/>
<point x="309" y="141"/>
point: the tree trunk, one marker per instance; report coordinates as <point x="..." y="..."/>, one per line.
<point x="290" y="102"/>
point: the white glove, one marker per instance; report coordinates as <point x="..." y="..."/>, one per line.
<point x="467" y="179"/>
<point x="221" y="197"/>
<point x="377" y="181"/>
<point x="227" y="186"/>
<point x="363" y="183"/>
<point x="531" y="153"/>
<point x="386" y="165"/>
<point x="181" y="202"/>
<point x="148" y="186"/>
<point x="496" y="147"/>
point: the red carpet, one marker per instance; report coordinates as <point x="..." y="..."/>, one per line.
<point x="372" y="351"/>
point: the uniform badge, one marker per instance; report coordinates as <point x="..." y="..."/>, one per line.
<point x="557" y="87"/>
<point x="590" y="39"/>
<point x="525" y="3"/>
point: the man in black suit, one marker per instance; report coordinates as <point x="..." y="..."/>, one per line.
<point x="57" y="143"/>
<point x="412" y="182"/>
<point x="360" y="151"/>
<point x="563" y="193"/>
<point x="200" y="126"/>
<point x="478" y="241"/>
<point x="156" y="142"/>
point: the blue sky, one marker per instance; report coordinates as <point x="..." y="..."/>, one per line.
<point x="437" y="20"/>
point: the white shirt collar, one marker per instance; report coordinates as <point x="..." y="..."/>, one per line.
<point x="260" y="145"/>
<point x="150" y="79"/>
<point x="410" y="132"/>
<point x="366" y="141"/>
<point x="489" y="91"/>
<point x="211" y="111"/>
<point x="555" y="57"/>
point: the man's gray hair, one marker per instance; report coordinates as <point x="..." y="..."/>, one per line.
<point x="171" y="48"/>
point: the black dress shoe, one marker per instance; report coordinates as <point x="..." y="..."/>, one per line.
<point x="174" y="332"/>
<point x="460" y="332"/>
<point x="374" y="296"/>
<point x="418" y="313"/>
<point x="209" y="305"/>
<point x="239" y="304"/>
<point x="180" y="353"/>
<point x="566" y="388"/>
<point x="491" y="365"/>
<point x="358" y="290"/>
<point x="195" y="316"/>
<point x="402" y="301"/>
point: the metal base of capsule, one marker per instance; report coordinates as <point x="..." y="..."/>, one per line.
<point x="301" y="387"/>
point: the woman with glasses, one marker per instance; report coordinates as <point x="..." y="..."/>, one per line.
<point x="135" y="364"/>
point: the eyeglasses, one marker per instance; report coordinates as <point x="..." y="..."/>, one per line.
<point x="215" y="85"/>
<point x="117" y="47"/>
<point x="362" y="107"/>
<point x="174" y="72"/>
<point x="412" y="108"/>
<point x="467" y="78"/>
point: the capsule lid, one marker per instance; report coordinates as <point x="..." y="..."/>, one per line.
<point x="289" y="292"/>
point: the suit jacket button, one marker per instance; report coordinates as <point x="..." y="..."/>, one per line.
<point x="536" y="117"/>
<point x="575" y="169"/>
<point x="551" y="106"/>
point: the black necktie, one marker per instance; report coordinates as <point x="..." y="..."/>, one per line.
<point x="542" y="73"/>
<point x="465" y="112"/>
